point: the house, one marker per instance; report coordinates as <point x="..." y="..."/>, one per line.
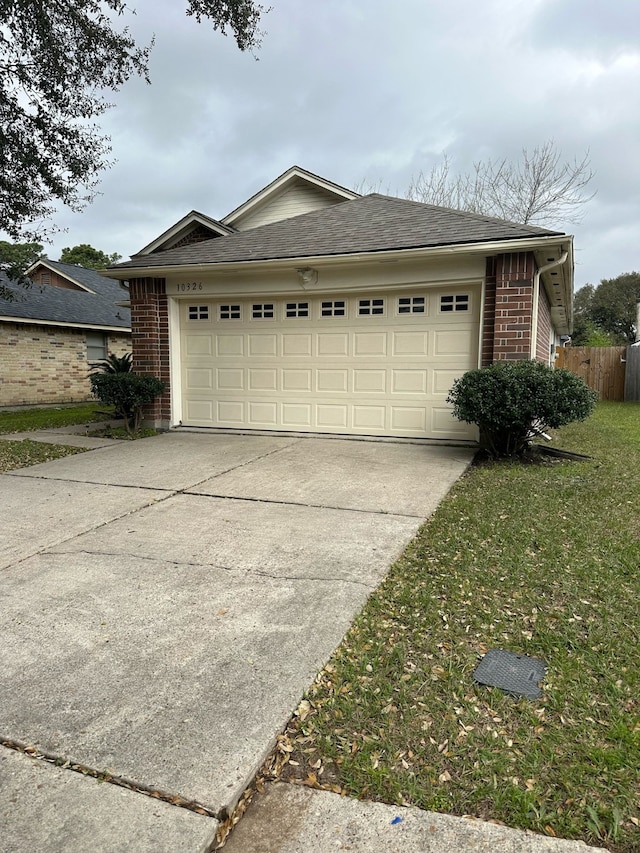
<point x="311" y="308"/>
<point x="53" y="330"/>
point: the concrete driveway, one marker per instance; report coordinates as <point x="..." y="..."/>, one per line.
<point x="164" y="605"/>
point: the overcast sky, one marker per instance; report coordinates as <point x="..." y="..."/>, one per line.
<point x="374" y="91"/>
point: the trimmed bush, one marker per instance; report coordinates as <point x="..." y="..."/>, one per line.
<point x="128" y="392"/>
<point x="514" y="401"/>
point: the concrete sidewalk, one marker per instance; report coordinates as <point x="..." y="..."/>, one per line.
<point x="165" y="604"/>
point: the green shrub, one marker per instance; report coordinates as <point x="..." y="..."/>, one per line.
<point x="514" y="401"/>
<point x="128" y="392"/>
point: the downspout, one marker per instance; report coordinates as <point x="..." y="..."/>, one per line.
<point x="536" y="299"/>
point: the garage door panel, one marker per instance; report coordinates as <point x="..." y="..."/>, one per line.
<point x="263" y="379"/>
<point x="332" y="381"/>
<point x="229" y="345"/>
<point x="199" y="345"/>
<point x="369" y="417"/>
<point x="332" y="417"/>
<point x="262" y="414"/>
<point x="331" y="344"/>
<point x="376" y="374"/>
<point x="261" y="345"/>
<point x="230" y="379"/>
<point x="367" y="381"/>
<point x="230" y="413"/>
<point x="451" y="342"/>
<point x="200" y="378"/>
<point x="409" y="381"/>
<point x="296" y="380"/>
<point x="299" y="345"/>
<point x="370" y="344"/>
<point x="297" y="415"/>
<point x="410" y="343"/>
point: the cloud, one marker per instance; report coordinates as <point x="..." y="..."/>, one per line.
<point x="373" y="92"/>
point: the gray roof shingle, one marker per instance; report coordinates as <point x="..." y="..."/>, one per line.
<point x="372" y="223"/>
<point x="57" y="304"/>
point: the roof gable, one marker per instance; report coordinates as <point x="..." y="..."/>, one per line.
<point x="192" y="228"/>
<point x="75" y="276"/>
<point x="295" y="192"/>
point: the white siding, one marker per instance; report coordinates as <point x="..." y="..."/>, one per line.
<point x="294" y="200"/>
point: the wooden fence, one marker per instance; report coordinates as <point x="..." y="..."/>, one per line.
<point x="602" y="368"/>
<point x="632" y="378"/>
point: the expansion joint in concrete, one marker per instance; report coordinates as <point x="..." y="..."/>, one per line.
<point x="65" y="763"/>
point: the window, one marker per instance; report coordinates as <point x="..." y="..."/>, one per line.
<point x="96" y="346"/>
<point x="459" y="302"/>
<point x="297" y="309"/>
<point x="229" y="312"/>
<point x="262" y="311"/>
<point x="198" y="312"/>
<point x="333" y="309"/>
<point x="366" y="307"/>
<point x="411" y="305"/>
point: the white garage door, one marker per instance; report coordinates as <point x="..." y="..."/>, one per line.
<point x="377" y="364"/>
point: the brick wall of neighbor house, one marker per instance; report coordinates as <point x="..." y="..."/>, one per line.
<point x="150" y="341"/>
<point x="544" y="337"/>
<point x="47" y="364"/>
<point x="514" y="274"/>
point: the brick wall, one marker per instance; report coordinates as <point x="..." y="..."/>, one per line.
<point x="150" y="341"/>
<point x="489" y="316"/>
<point x="513" y="306"/>
<point x="47" y="364"/>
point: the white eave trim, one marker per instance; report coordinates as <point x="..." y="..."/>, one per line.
<point x="43" y="263"/>
<point x="486" y="249"/>
<point x="30" y="321"/>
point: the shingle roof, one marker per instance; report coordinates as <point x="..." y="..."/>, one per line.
<point x="57" y="304"/>
<point x="372" y="223"/>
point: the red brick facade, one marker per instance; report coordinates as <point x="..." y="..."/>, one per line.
<point x="508" y="309"/>
<point x="150" y="340"/>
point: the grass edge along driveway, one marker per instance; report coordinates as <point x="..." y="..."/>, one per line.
<point x="542" y="560"/>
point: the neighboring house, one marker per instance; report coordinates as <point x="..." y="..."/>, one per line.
<point x="310" y="308"/>
<point x="53" y="330"/>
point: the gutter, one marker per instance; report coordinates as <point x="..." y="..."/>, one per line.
<point x="536" y="299"/>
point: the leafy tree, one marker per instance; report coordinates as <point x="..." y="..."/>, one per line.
<point x="15" y="258"/>
<point x="512" y="402"/>
<point x="614" y="306"/>
<point x="86" y="256"/>
<point x="56" y="62"/>
<point x="539" y="189"/>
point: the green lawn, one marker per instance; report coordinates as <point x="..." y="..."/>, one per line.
<point x="542" y="560"/>
<point x="21" y="454"/>
<point x="27" y="419"/>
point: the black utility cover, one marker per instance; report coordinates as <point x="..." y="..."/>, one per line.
<point x="516" y="674"/>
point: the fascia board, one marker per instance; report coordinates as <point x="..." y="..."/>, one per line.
<point x="31" y="321"/>
<point x="492" y="248"/>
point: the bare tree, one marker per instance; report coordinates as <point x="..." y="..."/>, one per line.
<point x="539" y="189"/>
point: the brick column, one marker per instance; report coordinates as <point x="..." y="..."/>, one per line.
<point x="512" y="328"/>
<point x="150" y="341"/>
